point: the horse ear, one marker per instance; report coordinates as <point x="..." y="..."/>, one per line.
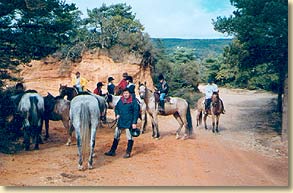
<point x="139" y="83"/>
<point x="145" y="83"/>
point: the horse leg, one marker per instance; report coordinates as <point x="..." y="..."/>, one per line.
<point x="153" y="125"/>
<point x="26" y="138"/>
<point x="213" y="122"/>
<point x="92" y="145"/>
<point x="36" y="136"/>
<point x="143" y="121"/>
<point x="205" y="121"/>
<point x="179" y="120"/>
<point x="27" y="134"/>
<point x="217" y="124"/>
<point x="197" y="118"/>
<point x="78" y="140"/>
<point x="69" y="128"/>
<point x="47" y="128"/>
<point x="156" y="127"/>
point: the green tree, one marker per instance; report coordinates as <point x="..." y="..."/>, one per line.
<point x="32" y="30"/>
<point x="262" y="30"/>
<point x="111" y="22"/>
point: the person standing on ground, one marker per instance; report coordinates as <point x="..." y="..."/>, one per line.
<point x="126" y="112"/>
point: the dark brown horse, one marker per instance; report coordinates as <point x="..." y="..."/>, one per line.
<point x="57" y="109"/>
<point x="70" y="92"/>
<point x="215" y="111"/>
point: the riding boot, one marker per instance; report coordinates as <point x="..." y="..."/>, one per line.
<point x="161" y="107"/>
<point x="129" y="148"/>
<point x="112" y="151"/>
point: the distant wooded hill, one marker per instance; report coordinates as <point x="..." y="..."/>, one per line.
<point x="203" y="47"/>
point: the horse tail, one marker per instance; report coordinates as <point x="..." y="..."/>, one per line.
<point x="34" y="115"/>
<point x="85" y="128"/>
<point x="189" y="120"/>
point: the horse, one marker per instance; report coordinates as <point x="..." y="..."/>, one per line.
<point x="215" y="111"/>
<point x="112" y="101"/>
<point x="57" y="109"/>
<point x="177" y="107"/>
<point x="84" y="116"/>
<point x="31" y="108"/>
<point x="70" y="92"/>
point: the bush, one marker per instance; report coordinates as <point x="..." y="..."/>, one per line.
<point x="9" y="130"/>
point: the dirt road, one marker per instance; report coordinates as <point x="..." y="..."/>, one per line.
<point x="247" y="152"/>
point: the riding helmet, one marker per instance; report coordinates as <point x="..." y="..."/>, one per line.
<point x="135" y="132"/>
<point x="161" y="77"/>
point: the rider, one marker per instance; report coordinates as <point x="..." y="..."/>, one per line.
<point x="210" y="89"/>
<point x="216" y="90"/>
<point x="98" y="90"/>
<point x="79" y="82"/>
<point x="110" y="86"/>
<point x="123" y="83"/>
<point x="131" y="86"/>
<point x="163" y="91"/>
<point x="126" y="112"/>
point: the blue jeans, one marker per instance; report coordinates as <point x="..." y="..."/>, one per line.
<point x="162" y="96"/>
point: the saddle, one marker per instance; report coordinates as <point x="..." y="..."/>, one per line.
<point x="157" y="97"/>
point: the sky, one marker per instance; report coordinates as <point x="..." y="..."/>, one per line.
<point x="187" y="19"/>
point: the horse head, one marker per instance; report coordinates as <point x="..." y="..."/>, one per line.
<point x="62" y="90"/>
<point x="216" y="103"/>
<point x="142" y="89"/>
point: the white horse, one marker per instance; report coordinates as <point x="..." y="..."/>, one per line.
<point x="84" y="117"/>
<point x="31" y="108"/>
<point x="112" y="101"/>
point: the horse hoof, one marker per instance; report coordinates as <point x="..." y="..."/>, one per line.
<point x="80" y="167"/>
<point x="90" y="167"/>
<point x="157" y="138"/>
<point x="177" y="137"/>
<point x="68" y="144"/>
<point x="184" y="137"/>
<point x="94" y="155"/>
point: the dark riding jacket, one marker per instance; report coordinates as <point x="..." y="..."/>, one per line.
<point x="128" y="110"/>
<point x="163" y="87"/>
<point x="111" y="88"/>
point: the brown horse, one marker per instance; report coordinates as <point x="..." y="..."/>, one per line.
<point x="57" y="109"/>
<point x="177" y="107"/>
<point x="215" y="111"/>
<point x="70" y="92"/>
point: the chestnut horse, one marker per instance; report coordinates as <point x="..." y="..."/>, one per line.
<point x="215" y="111"/>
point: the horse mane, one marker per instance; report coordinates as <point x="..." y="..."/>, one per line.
<point x="31" y="91"/>
<point x="58" y="97"/>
